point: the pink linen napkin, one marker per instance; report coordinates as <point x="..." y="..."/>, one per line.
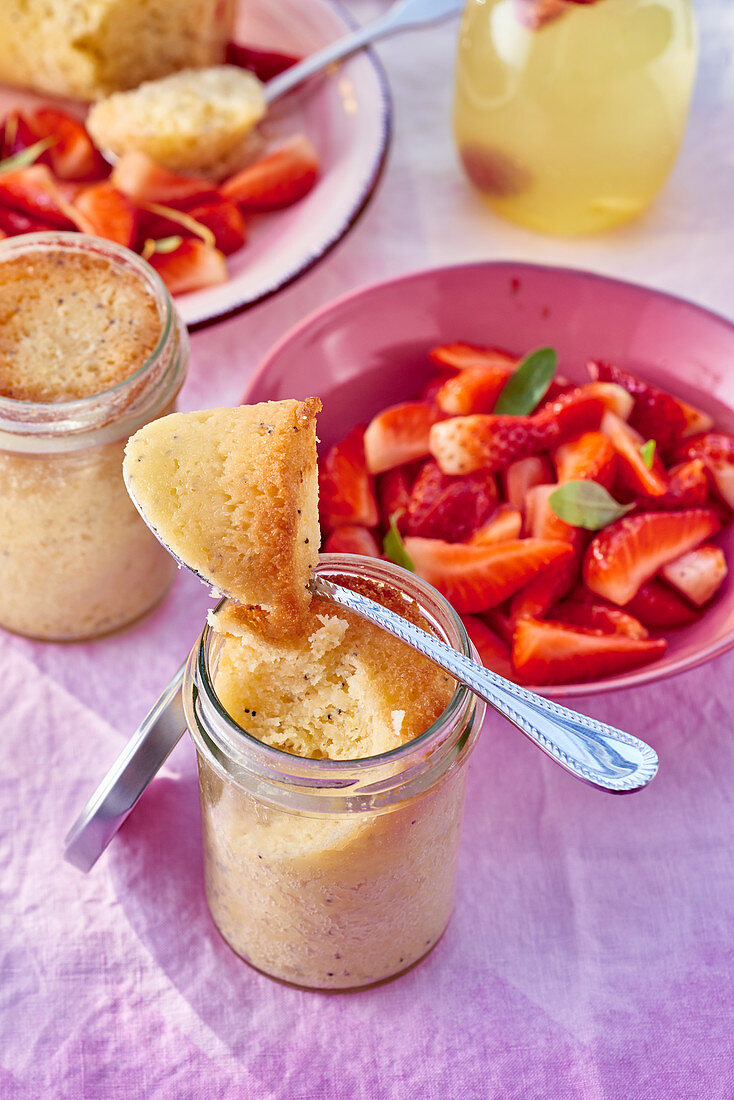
<point x="590" y="954"/>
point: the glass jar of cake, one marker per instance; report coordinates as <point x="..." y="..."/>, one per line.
<point x="332" y="771"/>
<point x="91" y="349"/>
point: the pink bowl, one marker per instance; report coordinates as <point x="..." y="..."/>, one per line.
<point x="368" y="349"/>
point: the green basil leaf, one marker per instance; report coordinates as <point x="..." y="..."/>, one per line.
<point x="26" y="157"/>
<point x="394" y="546"/>
<point x="528" y="384"/>
<point x="647" y="450"/>
<point x="586" y="504"/>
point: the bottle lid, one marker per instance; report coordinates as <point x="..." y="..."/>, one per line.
<point x="135" y="767"/>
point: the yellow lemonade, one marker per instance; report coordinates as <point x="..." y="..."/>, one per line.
<point x="568" y="117"/>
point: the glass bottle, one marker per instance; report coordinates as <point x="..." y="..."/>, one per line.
<point x="568" y="116"/>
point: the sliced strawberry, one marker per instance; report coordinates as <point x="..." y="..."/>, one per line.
<point x="278" y="179"/>
<point x="655" y="415"/>
<point x="352" y="540"/>
<point x="688" y="487"/>
<point x="397" y="435"/>
<point x="622" y="557"/>
<point x="498" y="620"/>
<point x="543" y="523"/>
<point x="461" y="356"/>
<point x="108" y="213"/>
<point x="504" y="523"/>
<point x="556" y="653"/>
<point x="449" y="508"/>
<point x="393" y="493"/>
<point x="34" y="191"/>
<point x="493" y="652"/>
<point x="191" y="266"/>
<point x="474" y="390"/>
<point x="542" y="592"/>
<point x="17" y="134"/>
<point x="432" y="387"/>
<point x="225" y="221"/>
<point x="13" y="223"/>
<point x="659" y="607"/>
<point x="466" y="443"/>
<point x="698" y="574"/>
<point x="632" y="472"/>
<point x="716" y="451"/>
<point x="697" y="421"/>
<point x="523" y="475"/>
<point x="73" y="155"/>
<point x="474" y="578"/>
<point x="599" y="616"/>
<point x="346" y="490"/>
<point x="144" y="181"/>
<point x="265" y="64"/>
<point x="591" y="456"/>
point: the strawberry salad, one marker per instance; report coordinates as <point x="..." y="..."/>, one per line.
<point x="569" y="525"/>
<point x="53" y="177"/>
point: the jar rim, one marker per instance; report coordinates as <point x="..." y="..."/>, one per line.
<point x="233" y="750"/>
<point x="85" y="414"/>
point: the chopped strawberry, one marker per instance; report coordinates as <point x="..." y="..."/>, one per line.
<point x="34" y="191"/>
<point x="697" y="421"/>
<point x="449" y="508"/>
<point x="265" y="64"/>
<point x="108" y="213"/>
<point x="191" y="266"/>
<point x="504" y="523"/>
<point x="474" y="578"/>
<point x="556" y="653"/>
<point x="13" y="223"/>
<point x="461" y="356"/>
<point x="659" y="607"/>
<point x="493" y="652"/>
<point x="278" y="179"/>
<point x="558" y="387"/>
<point x="466" y="443"/>
<point x="393" y="493"/>
<point x="346" y="490"/>
<point x="590" y="456"/>
<point x="615" y="398"/>
<point x="225" y="221"/>
<point x="498" y="620"/>
<point x="688" y="487"/>
<point x="73" y="155"/>
<point x="474" y="390"/>
<point x="432" y="387"/>
<point x="397" y="435"/>
<point x="622" y="557"/>
<point x="542" y="522"/>
<point x="144" y="181"/>
<point x="17" y="134"/>
<point x="656" y="415"/>
<point x="698" y="574"/>
<point x="599" y="616"/>
<point x="538" y="596"/>
<point x="716" y="451"/>
<point x="632" y="471"/>
<point x="352" y="540"/>
<point x="521" y="476"/>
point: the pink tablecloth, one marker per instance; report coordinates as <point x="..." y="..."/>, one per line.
<point x="590" y="955"/>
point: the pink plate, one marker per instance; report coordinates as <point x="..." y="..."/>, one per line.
<point x="347" y="116"/>
<point x="368" y="349"/>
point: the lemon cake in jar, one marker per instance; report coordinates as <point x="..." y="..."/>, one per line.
<point x="331" y="755"/>
<point x="91" y="49"/>
<point x="90" y="349"/>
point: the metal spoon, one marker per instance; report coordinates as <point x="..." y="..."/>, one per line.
<point x="400" y="17"/>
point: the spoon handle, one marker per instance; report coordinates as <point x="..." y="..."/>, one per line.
<point x="591" y="750"/>
<point x="411" y="13"/>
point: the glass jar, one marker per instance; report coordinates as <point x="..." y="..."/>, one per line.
<point x="332" y="874"/>
<point x="78" y="561"/>
<point x="568" y="116"/>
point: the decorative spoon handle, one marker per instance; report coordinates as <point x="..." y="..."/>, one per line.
<point x="411" y="13"/>
<point x="591" y="750"/>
